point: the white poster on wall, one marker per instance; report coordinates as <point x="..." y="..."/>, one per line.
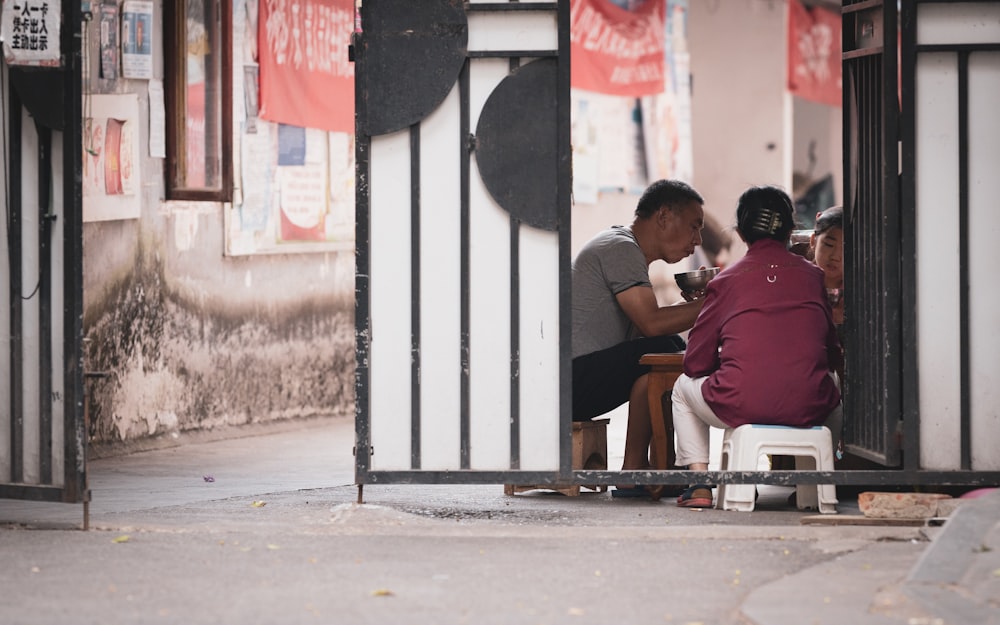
<point x="111" y="180"/>
<point x="29" y="30"/>
<point x="137" y="39"/>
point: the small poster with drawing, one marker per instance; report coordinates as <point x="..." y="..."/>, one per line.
<point x="110" y="149"/>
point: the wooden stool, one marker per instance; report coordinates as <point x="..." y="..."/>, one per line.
<point x="590" y="452"/>
<point x="663" y="374"/>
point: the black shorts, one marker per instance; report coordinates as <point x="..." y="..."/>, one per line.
<point x="603" y="380"/>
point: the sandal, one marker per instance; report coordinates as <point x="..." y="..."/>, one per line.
<point x="697" y="496"/>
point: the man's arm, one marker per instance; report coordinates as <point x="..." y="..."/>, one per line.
<point x="640" y="305"/>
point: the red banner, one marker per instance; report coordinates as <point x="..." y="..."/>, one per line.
<point x="615" y="51"/>
<point x="814" y="70"/>
<point x="306" y="79"/>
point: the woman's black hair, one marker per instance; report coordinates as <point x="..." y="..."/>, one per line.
<point x="765" y="212"/>
<point x="832" y="217"/>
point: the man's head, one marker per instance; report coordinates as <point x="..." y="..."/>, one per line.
<point x="671" y="212"/>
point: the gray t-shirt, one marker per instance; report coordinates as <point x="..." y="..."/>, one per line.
<point x="608" y="264"/>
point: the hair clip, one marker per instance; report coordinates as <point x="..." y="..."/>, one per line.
<point x="767" y="221"/>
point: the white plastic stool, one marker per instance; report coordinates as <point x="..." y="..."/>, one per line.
<point x="811" y="447"/>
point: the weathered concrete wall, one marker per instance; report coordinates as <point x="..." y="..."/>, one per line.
<point x="190" y="339"/>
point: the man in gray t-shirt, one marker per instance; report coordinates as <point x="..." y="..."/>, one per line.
<point x="616" y="318"/>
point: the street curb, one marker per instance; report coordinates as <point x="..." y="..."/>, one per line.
<point x="842" y="590"/>
<point x="956" y="577"/>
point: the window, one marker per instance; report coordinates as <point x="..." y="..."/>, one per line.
<point x="198" y="80"/>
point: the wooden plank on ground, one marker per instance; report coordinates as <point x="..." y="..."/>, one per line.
<point x="859" y="519"/>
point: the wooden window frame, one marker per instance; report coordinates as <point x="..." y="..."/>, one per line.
<point x="175" y="46"/>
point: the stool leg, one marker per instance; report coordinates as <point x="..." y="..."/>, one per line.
<point x="720" y="495"/>
<point x="806" y="495"/>
<point x="740" y="497"/>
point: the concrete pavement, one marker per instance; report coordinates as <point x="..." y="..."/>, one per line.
<point x="276" y="537"/>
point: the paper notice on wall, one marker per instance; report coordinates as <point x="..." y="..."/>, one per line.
<point x="137" y="39"/>
<point x="157" y="120"/>
<point x="303" y="202"/>
<point x="109" y="41"/>
<point x="111" y="175"/>
<point x="29" y="30"/>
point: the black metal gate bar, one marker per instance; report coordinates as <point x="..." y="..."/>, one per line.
<point x="362" y="268"/>
<point x="515" y="344"/>
<point x="415" y="360"/>
<point x="465" y="149"/>
<point x="965" y="410"/>
<point x="16" y="313"/>
<point x="908" y="234"/>
<point x="75" y="488"/>
<point x="44" y="294"/>
<point x="515" y="329"/>
<point x="564" y="194"/>
<point x="887" y="477"/>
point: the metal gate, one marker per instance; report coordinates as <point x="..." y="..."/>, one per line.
<point x="873" y="384"/>
<point x="462" y="276"/>
<point x="950" y="159"/>
<point x="463" y="237"/>
<point x="42" y="432"/>
<point x="921" y="353"/>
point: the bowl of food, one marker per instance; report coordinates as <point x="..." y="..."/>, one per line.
<point x="693" y="281"/>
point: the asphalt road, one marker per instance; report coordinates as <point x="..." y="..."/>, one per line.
<point x="277" y="537"/>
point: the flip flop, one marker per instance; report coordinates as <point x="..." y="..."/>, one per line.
<point x="697" y="496"/>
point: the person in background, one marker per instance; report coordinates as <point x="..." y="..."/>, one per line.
<point x="617" y="319"/>
<point x="826" y="247"/>
<point x="764" y="346"/>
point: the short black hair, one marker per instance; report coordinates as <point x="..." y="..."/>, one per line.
<point x="832" y="217"/>
<point x="765" y="212"/>
<point x="673" y="194"/>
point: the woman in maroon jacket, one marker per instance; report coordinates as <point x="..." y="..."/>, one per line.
<point x="764" y="345"/>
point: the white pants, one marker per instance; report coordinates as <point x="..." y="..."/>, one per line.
<point x="693" y="417"/>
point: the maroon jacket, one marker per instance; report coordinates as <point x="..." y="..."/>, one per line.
<point x="766" y="340"/>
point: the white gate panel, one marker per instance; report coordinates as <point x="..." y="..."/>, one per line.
<point x="58" y="308"/>
<point x="968" y="22"/>
<point x="490" y="298"/>
<point x="938" y="314"/>
<point x="440" y="287"/>
<point x="539" y="313"/>
<point x="31" y="322"/>
<point x="390" y="296"/>
<point x="984" y="232"/>
<point x="493" y="32"/>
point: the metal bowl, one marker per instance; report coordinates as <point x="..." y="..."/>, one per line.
<point x="690" y="281"/>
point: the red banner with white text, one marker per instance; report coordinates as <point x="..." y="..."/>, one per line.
<point x="814" y="65"/>
<point x="615" y="51"/>
<point x="306" y="79"/>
